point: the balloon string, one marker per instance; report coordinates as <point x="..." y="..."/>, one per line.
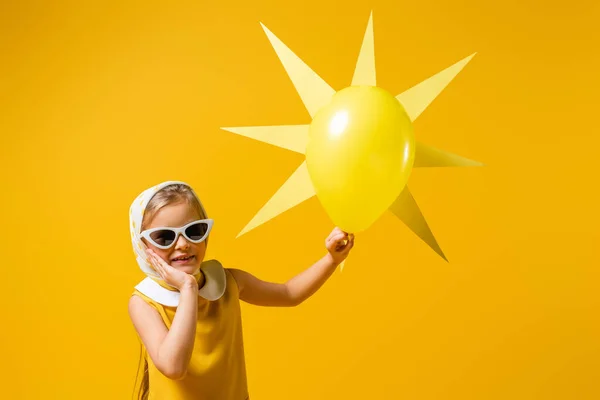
<point x="344" y="262"/>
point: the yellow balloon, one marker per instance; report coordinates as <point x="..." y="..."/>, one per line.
<point x="359" y="155"/>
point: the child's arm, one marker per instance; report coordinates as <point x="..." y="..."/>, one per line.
<point x="170" y="349"/>
<point x="302" y="286"/>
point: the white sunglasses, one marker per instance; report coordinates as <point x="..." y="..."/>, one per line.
<point x="166" y="237"/>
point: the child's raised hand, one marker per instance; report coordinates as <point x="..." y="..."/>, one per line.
<point x="170" y="275"/>
<point x="339" y="244"/>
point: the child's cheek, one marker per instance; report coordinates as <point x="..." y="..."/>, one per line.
<point x="162" y="254"/>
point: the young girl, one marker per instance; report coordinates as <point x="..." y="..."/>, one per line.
<point x="187" y="311"/>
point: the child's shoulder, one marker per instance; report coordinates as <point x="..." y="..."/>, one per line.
<point x="136" y="294"/>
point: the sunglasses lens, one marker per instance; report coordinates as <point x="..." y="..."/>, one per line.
<point x="163" y="237"/>
<point x="197" y="231"/>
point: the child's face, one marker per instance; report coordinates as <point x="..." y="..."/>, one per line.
<point x="175" y="216"/>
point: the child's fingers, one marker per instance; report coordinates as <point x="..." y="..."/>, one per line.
<point x="160" y="261"/>
<point x="334" y="241"/>
<point x="334" y="232"/>
<point x="345" y="249"/>
<point x="339" y="241"/>
<point x="341" y="238"/>
<point x="156" y="263"/>
<point x="163" y="272"/>
<point x="349" y="246"/>
<point x="339" y="244"/>
<point x="338" y="237"/>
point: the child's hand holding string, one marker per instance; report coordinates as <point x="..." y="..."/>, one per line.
<point x="339" y="244"/>
<point x="172" y="276"/>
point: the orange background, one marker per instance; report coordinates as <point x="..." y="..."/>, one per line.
<point x="102" y="100"/>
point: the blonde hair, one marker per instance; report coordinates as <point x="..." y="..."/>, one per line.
<point x="172" y="194"/>
<point x="168" y="195"/>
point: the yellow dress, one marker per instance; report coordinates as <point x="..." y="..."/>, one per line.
<point x="217" y="369"/>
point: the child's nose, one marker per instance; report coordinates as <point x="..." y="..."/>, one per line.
<point x="182" y="242"/>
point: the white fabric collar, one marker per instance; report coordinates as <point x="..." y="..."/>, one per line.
<point x="158" y="293"/>
<point x="214" y="286"/>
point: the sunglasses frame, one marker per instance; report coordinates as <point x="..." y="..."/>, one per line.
<point x="178" y="231"/>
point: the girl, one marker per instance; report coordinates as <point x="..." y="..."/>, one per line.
<point x="187" y="311"/>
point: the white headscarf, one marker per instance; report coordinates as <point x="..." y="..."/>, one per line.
<point x="214" y="274"/>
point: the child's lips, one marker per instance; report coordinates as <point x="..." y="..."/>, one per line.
<point x="186" y="261"/>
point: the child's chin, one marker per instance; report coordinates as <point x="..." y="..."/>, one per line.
<point x="189" y="269"/>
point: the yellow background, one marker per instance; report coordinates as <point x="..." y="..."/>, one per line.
<point x="101" y="100"/>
